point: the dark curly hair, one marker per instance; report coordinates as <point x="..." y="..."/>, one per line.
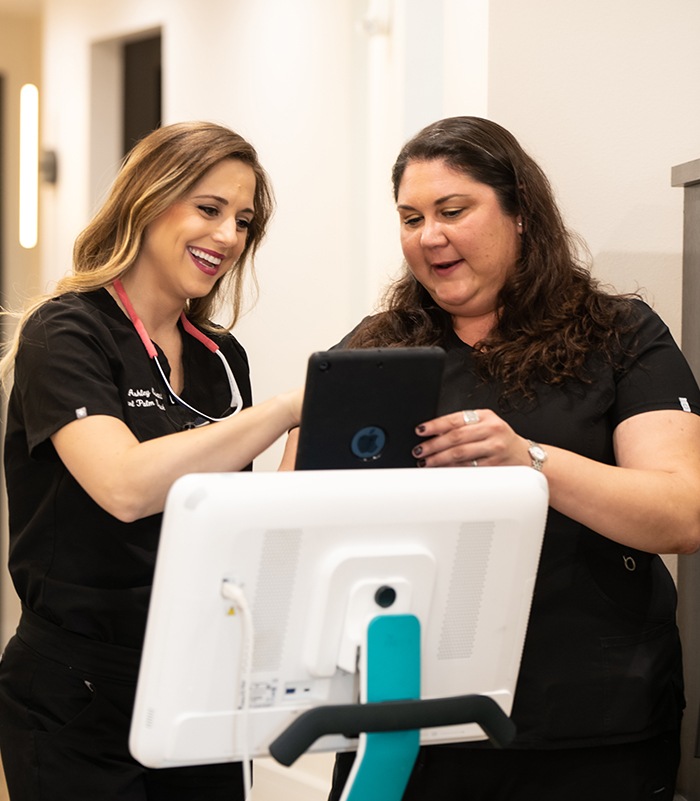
<point x="552" y="313"/>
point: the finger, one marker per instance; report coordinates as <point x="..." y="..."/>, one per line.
<point x="459" y="445"/>
<point x="450" y="422"/>
<point x="463" y="456"/>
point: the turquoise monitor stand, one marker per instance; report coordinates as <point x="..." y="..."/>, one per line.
<point x="390" y="671"/>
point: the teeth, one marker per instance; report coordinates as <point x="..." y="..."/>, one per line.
<point x="207" y="257"/>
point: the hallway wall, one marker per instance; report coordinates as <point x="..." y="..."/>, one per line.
<point x="20" y="63"/>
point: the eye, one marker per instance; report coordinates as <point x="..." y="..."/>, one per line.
<point x="412" y="221"/>
<point x="451" y="213"/>
<point x="209" y="211"/>
<point x="243" y="224"/>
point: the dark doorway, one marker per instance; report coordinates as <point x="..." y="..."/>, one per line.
<point x="142" y="89"/>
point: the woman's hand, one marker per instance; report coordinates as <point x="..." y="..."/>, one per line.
<point x="474" y="437"/>
<point x="290" y="450"/>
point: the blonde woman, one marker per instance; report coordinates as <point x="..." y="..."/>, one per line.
<point x="121" y="385"/>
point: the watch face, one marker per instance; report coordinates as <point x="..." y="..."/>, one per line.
<point x="538" y="453"/>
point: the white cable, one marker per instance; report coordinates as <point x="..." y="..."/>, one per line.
<point x="234" y="593"/>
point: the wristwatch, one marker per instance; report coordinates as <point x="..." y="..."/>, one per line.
<point x="538" y="455"/>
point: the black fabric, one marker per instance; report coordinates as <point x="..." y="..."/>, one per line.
<point x="71" y="561"/>
<point x="643" y="771"/>
<point x="63" y="738"/>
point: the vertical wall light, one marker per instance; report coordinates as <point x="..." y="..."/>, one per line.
<point x="28" y="165"/>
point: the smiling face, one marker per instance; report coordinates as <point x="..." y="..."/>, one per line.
<point x="197" y="240"/>
<point x="458" y="242"/>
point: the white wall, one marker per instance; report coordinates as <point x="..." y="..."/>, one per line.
<point x="604" y="95"/>
<point x="20" y="63"/>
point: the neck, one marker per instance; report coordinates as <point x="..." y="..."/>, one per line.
<point x="154" y="311"/>
<point x="473" y="329"/>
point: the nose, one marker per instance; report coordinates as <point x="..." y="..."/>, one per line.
<point x="432" y="233"/>
<point x="226" y="232"/>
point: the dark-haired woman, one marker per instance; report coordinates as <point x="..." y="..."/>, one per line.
<point x="546" y="369"/>
<point x="122" y="384"/>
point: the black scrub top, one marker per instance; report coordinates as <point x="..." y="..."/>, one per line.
<point x="73" y="563"/>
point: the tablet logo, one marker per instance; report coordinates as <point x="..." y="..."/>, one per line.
<point x="368" y="443"/>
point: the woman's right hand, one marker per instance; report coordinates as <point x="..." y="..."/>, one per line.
<point x="289" y="456"/>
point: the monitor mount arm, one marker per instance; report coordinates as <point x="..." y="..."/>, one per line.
<point x="391" y="713"/>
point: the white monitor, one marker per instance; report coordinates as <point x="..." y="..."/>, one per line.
<point x="459" y="547"/>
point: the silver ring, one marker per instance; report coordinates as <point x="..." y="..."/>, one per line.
<point x="470" y="416"/>
<point x="475" y="463"/>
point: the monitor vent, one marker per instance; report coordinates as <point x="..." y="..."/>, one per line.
<point x="273" y="596"/>
<point x="466" y="588"/>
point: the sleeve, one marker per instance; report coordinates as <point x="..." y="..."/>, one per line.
<point x="63" y="371"/>
<point x="654" y="374"/>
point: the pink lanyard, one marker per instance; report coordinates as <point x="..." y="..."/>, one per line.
<point x="236" y="399"/>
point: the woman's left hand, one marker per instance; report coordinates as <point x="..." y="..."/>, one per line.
<point x="474" y="437"/>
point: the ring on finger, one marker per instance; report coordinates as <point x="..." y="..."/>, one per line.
<point x="470" y="416"/>
<point x="475" y="463"/>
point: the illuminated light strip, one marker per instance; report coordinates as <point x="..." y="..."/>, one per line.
<point x="28" y="165"/>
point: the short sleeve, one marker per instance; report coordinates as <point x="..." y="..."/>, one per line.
<point x="64" y="370"/>
<point x="654" y="375"/>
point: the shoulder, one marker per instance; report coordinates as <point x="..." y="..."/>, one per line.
<point x="644" y="324"/>
<point x="73" y="325"/>
<point x="62" y="310"/>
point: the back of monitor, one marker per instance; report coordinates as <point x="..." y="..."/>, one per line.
<point x="311" y="552"/>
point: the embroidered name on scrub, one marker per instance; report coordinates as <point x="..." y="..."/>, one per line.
<point x="142" y="398"/>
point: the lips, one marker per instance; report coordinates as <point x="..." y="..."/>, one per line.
<point x="443" y="266"/>
<point x="207" y="261"/>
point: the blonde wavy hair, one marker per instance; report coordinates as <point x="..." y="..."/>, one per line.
<point x="160" y="170"/>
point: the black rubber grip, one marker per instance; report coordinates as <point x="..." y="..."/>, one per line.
<point x="350" y="719"/>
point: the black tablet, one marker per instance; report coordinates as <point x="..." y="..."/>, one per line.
<point x="361" y="407"/>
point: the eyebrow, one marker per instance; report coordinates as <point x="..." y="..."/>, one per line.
<point x="221" y="200"/>
<point x="438" y="202"/>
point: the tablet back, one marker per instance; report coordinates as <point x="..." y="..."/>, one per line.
<point x="361" y="407"/>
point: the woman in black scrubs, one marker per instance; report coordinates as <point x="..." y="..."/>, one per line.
<point x="122" y="384"/>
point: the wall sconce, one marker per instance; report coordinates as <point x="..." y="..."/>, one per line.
<point x="48" y="167"/>
<point x="28" y="165"/>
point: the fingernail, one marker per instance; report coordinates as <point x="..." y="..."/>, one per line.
<point x="420" y="429"/>
<point x="421" y="463"/>
<point x="418" y="450"/>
